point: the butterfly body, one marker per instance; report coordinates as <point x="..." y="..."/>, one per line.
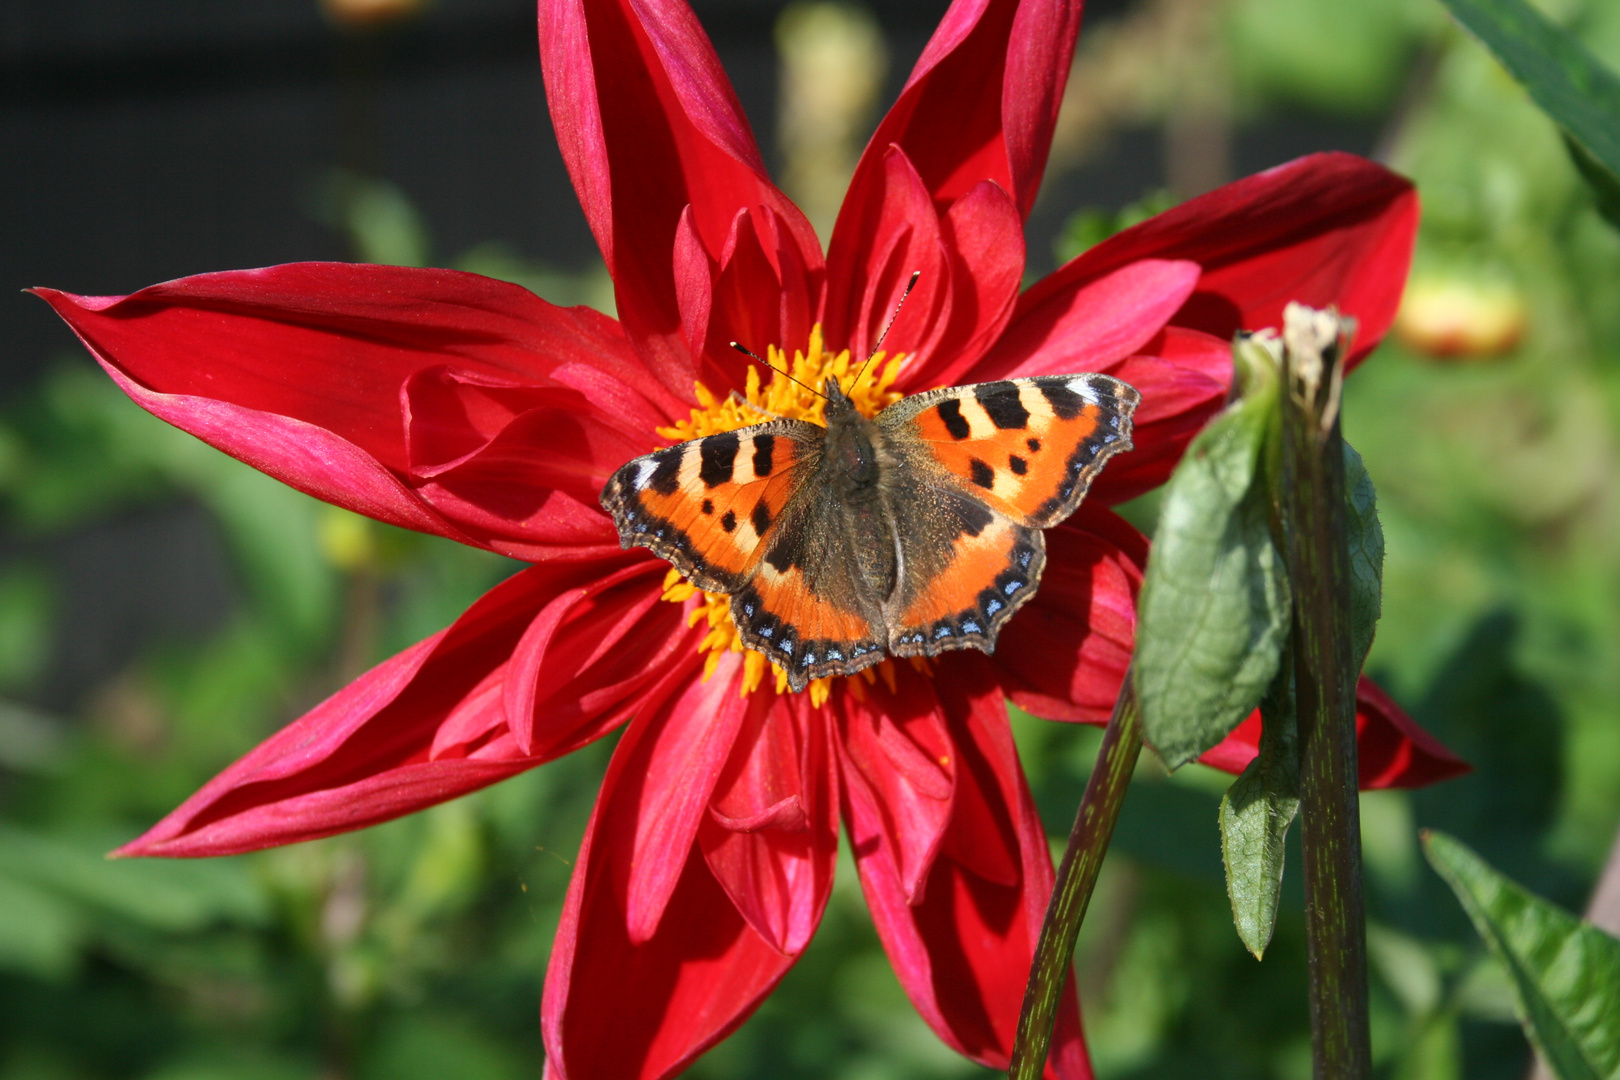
<point x="904" y="534"/>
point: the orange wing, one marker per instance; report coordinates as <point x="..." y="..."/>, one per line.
<point x="992" y="465"/>
<point x="987" y="575"/>
<point x="1027" y="448"/>
<point x="705" y="505"/>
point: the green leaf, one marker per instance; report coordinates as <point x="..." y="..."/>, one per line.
<point x="1214" y="609"/>
<point x="1605" y="185"/>
<point x="1255" y="814"/>
<point x="1565" y="972"/>
<point x="1365" y="537"/>
<point x="1570" y="84"/>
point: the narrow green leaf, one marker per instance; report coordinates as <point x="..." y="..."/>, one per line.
<point x="1605" y="185"/>
<point x="1255" y="814"/>
<point x="1565" y="79"/>
<point x="1565" y="972"/>
<point x="1365" y="537"/>
<point x="1213" y="612"/>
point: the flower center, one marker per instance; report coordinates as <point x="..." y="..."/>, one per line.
<point x="868" y="386"/>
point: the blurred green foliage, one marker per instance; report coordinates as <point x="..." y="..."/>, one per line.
<point x="417" y="949"/>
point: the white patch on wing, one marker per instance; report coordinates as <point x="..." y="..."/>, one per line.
<point x="644" y="473"/>
<point x="1084" y="388"/>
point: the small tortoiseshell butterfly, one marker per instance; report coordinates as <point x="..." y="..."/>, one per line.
<point x="906" y="534"/>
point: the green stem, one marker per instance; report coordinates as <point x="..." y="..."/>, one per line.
<point x="1313" y="509"/>
<point x="1088" y="841"/>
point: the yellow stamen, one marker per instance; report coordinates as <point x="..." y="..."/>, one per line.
<point x="871" y="390"/>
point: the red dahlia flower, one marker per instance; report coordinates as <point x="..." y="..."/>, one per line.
<point x="469" y="408"/>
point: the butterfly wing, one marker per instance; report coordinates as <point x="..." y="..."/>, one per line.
<point x="1028" y="448"/>
<point x="705" y="504"/>
<point x="744" y="513"/>
<point x="990" y="466"/>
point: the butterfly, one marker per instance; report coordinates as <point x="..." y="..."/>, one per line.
<point x="904" y="534"/>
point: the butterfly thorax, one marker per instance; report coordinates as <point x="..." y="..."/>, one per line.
<point x="854" y="446"/>
<point x="859" y="465"/>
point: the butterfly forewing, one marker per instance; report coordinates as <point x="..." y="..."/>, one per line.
<point x="704" y="505"/>
<point x="1028" y="448"/>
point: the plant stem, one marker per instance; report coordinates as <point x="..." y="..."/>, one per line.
<point x="1313" y="510"/>
<point x="1076" y="877"/>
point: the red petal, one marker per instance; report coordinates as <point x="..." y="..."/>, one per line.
<point x="453" y="416"/>
<point x="589" y="653"/>
<point x="1325" y="229"/>
<point x="962" y="948"/>
<point x="1064" y="655"/>
<point x="672" y="763"/>
<point x="983" y="239"/>
<point x="981" y="102"/>
<point x="1392" y="750"/>
<point x="896" y="750"/>
<point x="298" y="369"/>
<point x="1092" y="324"/>
<point x="648" y="125"/>
<point x="512" y="464"/>
<point x="899" y="232"/>
<point x="772" y="835"/>
<point x="417" y="730"/>
<point x="1184" y="376"/>
<point x="619" y="1008"/>
<point x="758" y="296"/>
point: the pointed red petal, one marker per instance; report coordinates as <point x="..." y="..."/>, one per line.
<point x="417" y="730"/>
<point x="758" y="295"/>
<point x="590" y="652"/>
<point x="1064" y="655"/>
<point x="1325" y="229"/>
<point x="672" y="762"/>
<point x="896" y="750"/>
<point x="1184" y="376"/>
<point x="982" y="101"/>
<point x="619" y="1009"/>
<point x="983" y="241"/>
<point x="1094" y="323"/>
<point x="772" y="835"/>
<point x="1392" y="750"/>
<point x="962" y="948"/>
<point x="899" y="231"/>
<point x="299" y="369"/>
<point x="513" y="465"/>
<point x="649" y="125"/>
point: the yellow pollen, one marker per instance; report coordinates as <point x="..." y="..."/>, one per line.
<point x="782" y="398"/>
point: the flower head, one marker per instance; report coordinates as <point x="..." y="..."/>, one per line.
<point x="469" y="408"/>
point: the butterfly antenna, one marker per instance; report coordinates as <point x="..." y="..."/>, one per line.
<point x="746" y="351"/>
<point x="915" y="274"/>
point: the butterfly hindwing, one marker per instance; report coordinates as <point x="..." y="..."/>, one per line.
<point x="1027" y="448"/>
<point x="705" y="504"/>
<point x="989" y="568"/>
<point x="807" y="606"/>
